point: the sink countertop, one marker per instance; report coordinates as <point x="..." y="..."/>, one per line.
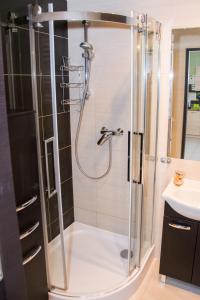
<point x="184" y="199"/>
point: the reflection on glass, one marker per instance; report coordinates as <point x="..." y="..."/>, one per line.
<point x="2" y="291"/>
<point x="185" y="115"/>
<point x="1" y="271"/>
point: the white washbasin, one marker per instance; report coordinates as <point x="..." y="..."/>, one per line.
<point x="184" y="199"/>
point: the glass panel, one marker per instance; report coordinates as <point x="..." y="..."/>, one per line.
<point x="149" y="161"/>
<point x="102" y="205"/>
<point x="46" y="116"/>
<point x="138" y="129"/>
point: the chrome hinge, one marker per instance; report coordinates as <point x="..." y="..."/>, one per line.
<point x="141" y="23"/>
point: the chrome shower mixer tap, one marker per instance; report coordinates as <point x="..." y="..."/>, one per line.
<point x="107" y="135"/>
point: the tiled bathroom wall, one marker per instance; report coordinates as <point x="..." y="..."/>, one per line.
<point x="103" y="203"/>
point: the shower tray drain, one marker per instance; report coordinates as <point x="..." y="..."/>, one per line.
<point x="124" y="253"/>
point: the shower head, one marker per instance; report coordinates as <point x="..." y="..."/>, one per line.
<point x="88" y="50"/>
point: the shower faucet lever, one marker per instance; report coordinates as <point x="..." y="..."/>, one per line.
<point x="107" y="135"/>
<point x="119" y="131"/>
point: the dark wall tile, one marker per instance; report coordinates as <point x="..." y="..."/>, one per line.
<point x="53" y="209"/>
<point x="47" y="127"/>
<point x="67" y="195"/>
<point x="51" y="172"/>
<point x="18" y="93"/>
<point x="43" y="53"/>
<point x="64" y="133"/>
<point x="65" y="164"/>
<point x="49" y="233"/>
<point x="61" y="49"/>
<point x="22" y="52"/>
<point x="58" y="4"/>
<point x="45" y="95"/>
<point x="55" y="229"/>
<point x="61" y="29"/>
<point x="2" y="290"/>
<point x="62" y="93"/>
<point x="47" y="209"/>
<point x="17" y="46"/>
<point x="68" y="218"/>
<point x="24" y="155"/>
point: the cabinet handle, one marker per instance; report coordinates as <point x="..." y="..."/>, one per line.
<point x="33" y="254"/>
<point x="29" y="231"/>
<point x="26" y="204"/>
<point x="178" y="226"/>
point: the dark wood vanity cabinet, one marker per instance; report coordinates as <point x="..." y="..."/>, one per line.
<point x="180" y="252"/>
<point x="196" y="270"/>
<point x="26" y="185"/>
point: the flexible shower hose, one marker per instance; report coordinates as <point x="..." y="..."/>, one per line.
<point x="85" y="93"/>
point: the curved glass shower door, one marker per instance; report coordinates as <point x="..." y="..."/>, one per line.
<point x="150" y="138"/>
<point x="145" y="126"/>
<point x="102" y="207"/>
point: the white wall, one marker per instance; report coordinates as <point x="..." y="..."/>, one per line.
<point x="103" y="203"/>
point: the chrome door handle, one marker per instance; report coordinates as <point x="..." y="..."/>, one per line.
<point x="32" y="255"/>
<point x="181" y="227"/>
<point x="29" y="231"/>
<point x="141" y="135"/>
<point x="26" y="204"/>
<point x="46" y="142"/>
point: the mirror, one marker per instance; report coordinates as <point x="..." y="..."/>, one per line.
<point x="184" y="120"/>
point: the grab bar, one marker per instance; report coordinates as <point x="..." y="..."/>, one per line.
<point x="29" y="231"/>
<point x="26" y="204"/>
<point x="32" y="255"/>
<point x="46" y="142"/>
<point x="181" y="227"/>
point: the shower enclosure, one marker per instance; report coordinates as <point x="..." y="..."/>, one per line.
<point x="106" y="83"/>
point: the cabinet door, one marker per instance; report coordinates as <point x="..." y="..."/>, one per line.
<point x="196" y="270"/>
<point x="178" y="248"/>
